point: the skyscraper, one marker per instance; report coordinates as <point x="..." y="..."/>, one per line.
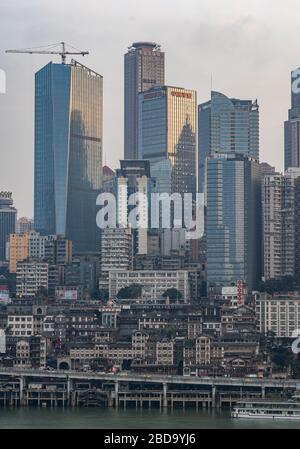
<point x="133" y="178"/>
<point x="281" y="224"/>
<point x="8" y="217"/>
<point x="167" y="132"/>
<point x="144" y="67"/>
<point x="292" y="125"/>
<point x="226" y="126"/>
<point x="68" y="152"/>
<point x="233" y="230"/>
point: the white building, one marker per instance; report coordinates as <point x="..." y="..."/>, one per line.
<point x="153" y="283"/>
<point x="21" y="325"/>
<point x="36" y="244"/>
<point x="278" y="313"/>
<point x="116" y="252"/>
<point x="30" y="277"/>
<point x="2" y="341"/>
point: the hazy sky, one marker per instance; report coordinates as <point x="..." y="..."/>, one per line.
<point x="249" y="46"/>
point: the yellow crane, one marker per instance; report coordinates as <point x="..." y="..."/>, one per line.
<point x="50" y="50"/>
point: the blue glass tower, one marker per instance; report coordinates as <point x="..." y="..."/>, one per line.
<point x="226" y="125"/>
<point x="68" y="152"/>
<point x="233" y="227"/>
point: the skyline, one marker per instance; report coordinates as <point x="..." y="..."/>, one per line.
<point x="222" y="36"/>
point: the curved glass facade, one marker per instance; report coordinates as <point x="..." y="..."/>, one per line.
<point x="227" y="126"/>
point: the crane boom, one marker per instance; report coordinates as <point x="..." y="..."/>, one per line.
<point x="63" y="53"/>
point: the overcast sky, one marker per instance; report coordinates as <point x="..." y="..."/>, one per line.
<point x="249" y="47"/>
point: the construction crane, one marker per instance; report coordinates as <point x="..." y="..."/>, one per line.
<point x="50" y="50"/>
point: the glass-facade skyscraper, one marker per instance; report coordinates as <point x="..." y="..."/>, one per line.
<point x="233" y="227"/>
<point x="292" y="125"/>
<point x="167" y="132"/>
<point x="144" y="67"/>
<point x="68" y="152"/>
<point x="226" y="126"/>
<point x="8" y="219"/>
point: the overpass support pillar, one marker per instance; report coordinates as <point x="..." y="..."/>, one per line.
<point x="22" y="386"/>
<point x="165" y="398"/>
<point x="263" y="392"/>
<point x="213" y="396"/>
<point x="116" y="394"/>
<point x="69" y="391"/>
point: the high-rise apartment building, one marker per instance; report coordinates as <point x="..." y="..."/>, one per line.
<point x="272" y="193"/>
<point x="18" y="250"/>
<point x="8" y="217"/>
<point x="134" y="178"/>
<point x="31" y="276"/>
<point x="226" y="125"/>
<point x="233" y="225"/>
<point x="144" y="67"/>
<point x="167" y="136"/>
<point x="58" y="250"/>
<point x="281" y="224"/>
<point x="68" y="153"/>
<point x="292" y="125"/>
<point x="116" y="253"/>
<point x="24" y="225"/>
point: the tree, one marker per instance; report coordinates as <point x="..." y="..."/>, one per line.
<point x="101" y="295"/>
<point x="282" y="357"/>
<point x="172" y="293"/>
<point x="286" y="283"/>
<point x="133" y="291"/>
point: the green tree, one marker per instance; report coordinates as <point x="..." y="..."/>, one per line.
<point x="133" y="291"/>
<point x="172" y="293"/>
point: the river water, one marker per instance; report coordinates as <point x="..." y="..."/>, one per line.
<point x="97" y="418"/>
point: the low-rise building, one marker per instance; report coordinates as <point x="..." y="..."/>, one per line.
<point x="154" y="283"/>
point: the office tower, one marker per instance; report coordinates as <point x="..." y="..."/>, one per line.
<point x="266" y="169"/>
<point x="233" y="228"/>
<point x="18" y="250"/>
<point x="133" y="178"/>
<point x="116" y="253"/>
<point x="8" y="216"/>
<point x="108" y="181"/>
<point x="68" y="153"/>
<point x="281" y="224"/>
<point x="292" y="125"/>
<point x="144" y="67"/>
<point x="24" y="225"/>
<point x="226" y="126"/>
<point x="167" y="136"/>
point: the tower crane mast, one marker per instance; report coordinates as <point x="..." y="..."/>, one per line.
<point x="63" y="52"/>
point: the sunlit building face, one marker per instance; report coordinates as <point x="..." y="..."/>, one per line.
<point x="167" y="131"/>
<point x="144" y="67"/>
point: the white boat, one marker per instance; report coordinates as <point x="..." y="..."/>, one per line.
<point x="267" y="409"/>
